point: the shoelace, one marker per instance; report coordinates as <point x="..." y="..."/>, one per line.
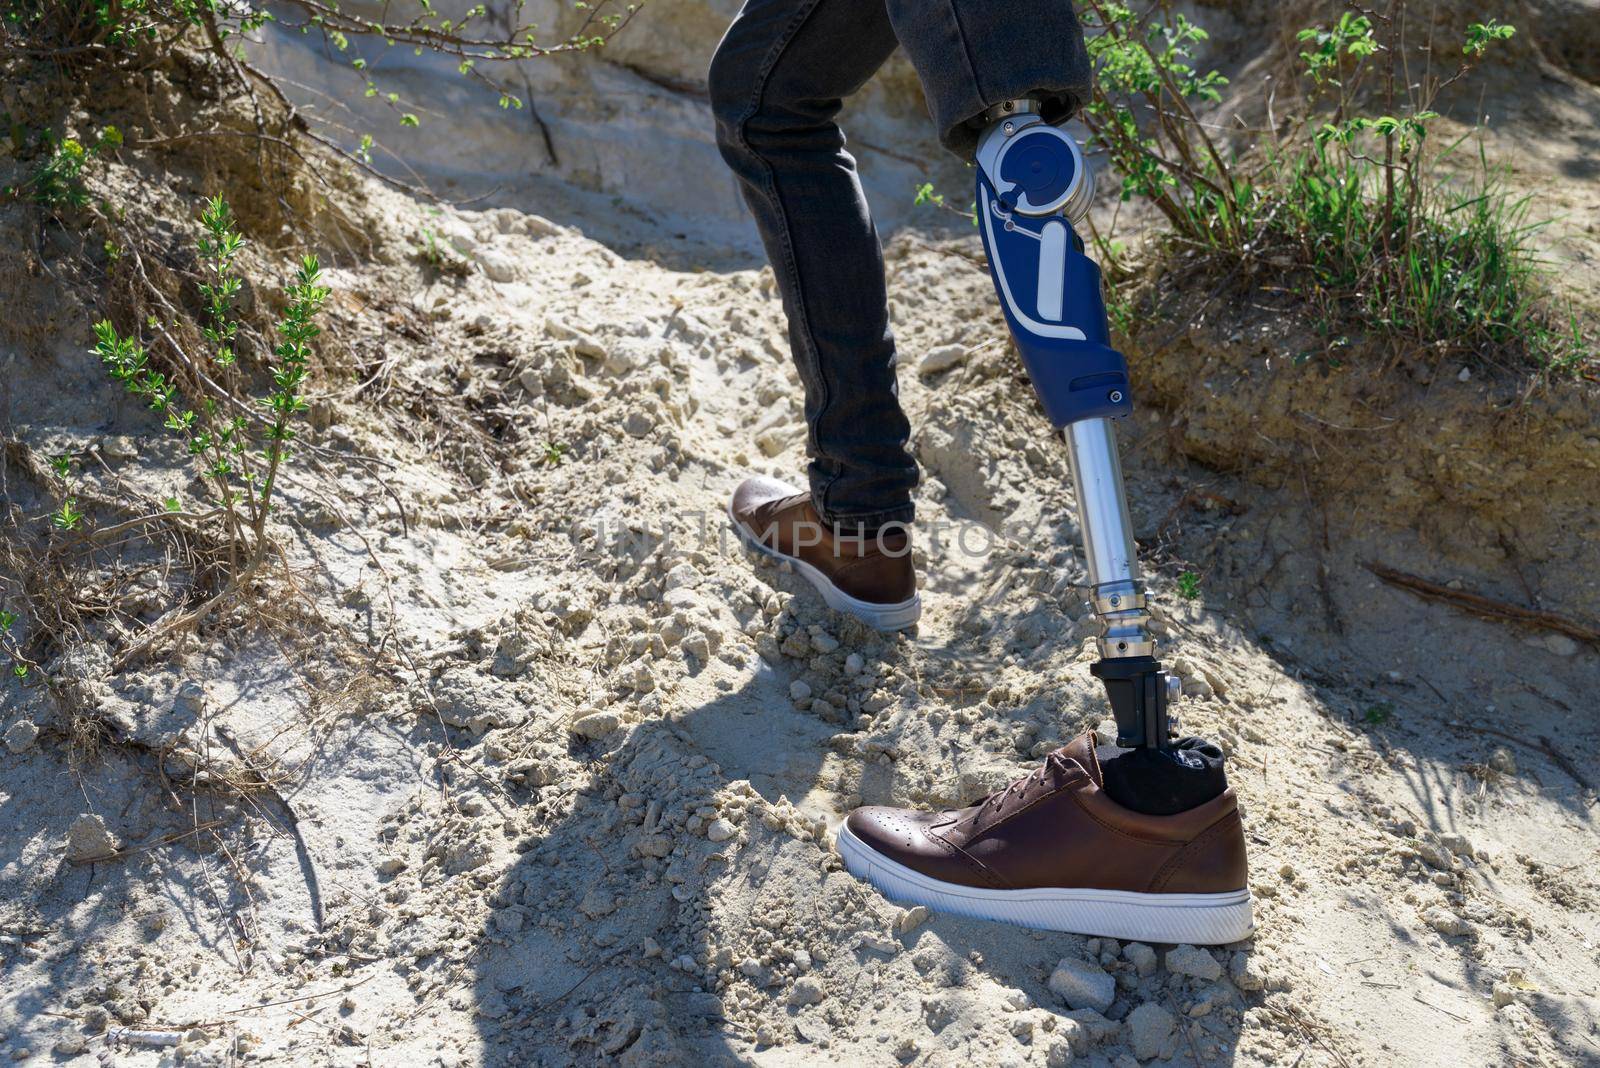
<point x="999" y="797"/>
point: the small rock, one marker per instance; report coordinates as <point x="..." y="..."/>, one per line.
<point x="1446" y="922"/>
<point x="942" y="359"/>
<point x="1504" y="994"/>
<point x="88" y="838"/>
<point x="807" y="990"/>
<point x="1245" y="973"/>
<point x="912" y="918"/>
<point x="684" y="576"/>
<point x="1503" y="761"/>
<point x="1193" y="961"/>
<point x="1091" y="1028"/>
<point x="878" y="942"/>
<point x="596" y="724"/>
<point x="1561" y="644"/>
<point x="1458" y="844"/>
<point x="824" y="643"/>
<point x="1434" y="856"/>
<point x="1059" y="1055"/>
<point x="853" y="664"/>
<point x="1141" y="956"/>
<point x="497" y="266"/>
<point x="597" y="903"/>
<point x="70" y="1046"/>
<point x="21" y="735"/>
<point x="1149" y="1027"/>
<point x="391" y="866"/>
<point x="190" y="698"/>
<point x="720" y="829"/>
<point x="639" y="423"/>
<point x="656" y="846"/>
<point x="119" y="448"/>
<point x="799" y="690"/>
<point x="1082" y="985"/>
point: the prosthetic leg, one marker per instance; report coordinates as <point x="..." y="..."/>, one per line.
<point x="1033" y="184"/>
<point x="1138" y="841"/>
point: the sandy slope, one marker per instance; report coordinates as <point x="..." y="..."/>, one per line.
<point x="573" y="801"/>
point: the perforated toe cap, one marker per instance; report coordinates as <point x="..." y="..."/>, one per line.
<point x="901" y="835"/>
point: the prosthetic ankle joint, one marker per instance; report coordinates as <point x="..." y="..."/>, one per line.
<point x="1033" y="184"/>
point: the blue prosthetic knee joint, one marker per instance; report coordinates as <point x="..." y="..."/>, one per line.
<point x="1032" y="185"/>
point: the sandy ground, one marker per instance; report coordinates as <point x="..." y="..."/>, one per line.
<point x="575" y="802"/>
<point x="535" y="765"/>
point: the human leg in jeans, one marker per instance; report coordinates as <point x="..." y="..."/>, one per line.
<point x="777" y="83"/>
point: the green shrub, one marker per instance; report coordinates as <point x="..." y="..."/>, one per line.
<point x="242" y="478"/>
<point x="1363" y="215"/>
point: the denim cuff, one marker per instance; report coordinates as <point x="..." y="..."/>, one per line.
<point x="973" y="54"/>
<point x="867" y="523"/>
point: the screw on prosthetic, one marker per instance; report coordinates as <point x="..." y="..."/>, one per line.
<point x="1032" y="186"/>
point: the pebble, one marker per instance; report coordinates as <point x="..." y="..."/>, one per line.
<point x="807" y="990"/>
<point x="1560" y="644"/>
<point x="1091" y="1027"/>
<point x="720" y="829"/>
<point x="1458" y="844"/>
<point x="1503" y="761"/>
<point x="21" y="735"/>
<point x="190" y="698"/>
<point x="823" y="642"/>
<point x="799" y="690"/>
<point x="853" y="664"/>
<point x="88" y="838"/>
<point x="1193" y="961"/>
<point x="1446" y="922"/>
<point x="942" y="359"/>
<point x="1149" y="1027"/>
<point x="1245" y="973"/>
<point x="1082" y="985"/>
<point x="912" y="918"/>
<point x="1141" y="956"/>
<point x="596" y="724"/>
<point x="684" y="576"/>
<point x="1434" y="856"/>
<point x="497" y="266"/>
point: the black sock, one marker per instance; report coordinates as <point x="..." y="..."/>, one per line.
<point x="1163" y="782"/>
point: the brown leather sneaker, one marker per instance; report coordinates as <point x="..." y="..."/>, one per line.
<point x="1053" y="851"/>
<point x="871" y="578"/>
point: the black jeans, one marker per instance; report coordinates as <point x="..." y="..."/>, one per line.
<point x="777" y="83"/>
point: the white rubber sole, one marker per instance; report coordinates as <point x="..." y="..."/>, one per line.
<point x="1197" y="919"/>
<point x="887" y="617"/>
